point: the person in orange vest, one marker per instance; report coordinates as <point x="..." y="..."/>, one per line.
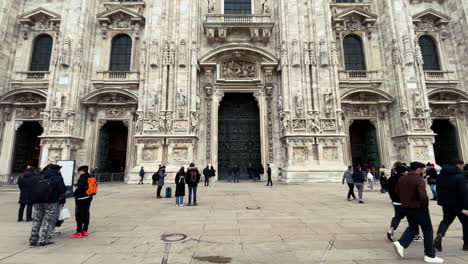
<point x="86" y="187"/>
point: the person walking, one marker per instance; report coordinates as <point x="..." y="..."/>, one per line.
<point x="180" y="186"/>
<point x="155" y="176"/>
<point x="206" y="175"/>
<point x="83" y="196"/>
<point x="26" y="184"/>
<point x="370" y="180"/>
<point x="384" y="175"/>
<point x="250" y="171"/>
<point x="270" y="182"/>
<point x="193" y="178"/>
<point x="261" y="171"/>
<point x="160" y="181"/>
<point x="212" y="176"/>
<point x="453" y="197"/>
<point x="358" y="180"/>
<point x="411" y="189"/>
<point x="45" y="196"/>
<point x="431" y="175"/>
<point x="236" y="172"/>
<point x="142" y="175"/>
<point x="348" y="177"/>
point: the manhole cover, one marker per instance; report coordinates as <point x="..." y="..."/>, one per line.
<point x="253" y="208"/>
<point x="214" y="259"/>
<point x="173" y="238"/>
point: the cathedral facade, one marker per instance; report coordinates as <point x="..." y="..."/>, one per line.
<point x="308" y="86"/>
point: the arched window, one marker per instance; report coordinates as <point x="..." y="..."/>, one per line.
<point x="429" y="53"/>
<point x="42" y="51"/>
<point x="121" y="53"/>
<point x="353" y="53"/>
<point x="237" y="7"/>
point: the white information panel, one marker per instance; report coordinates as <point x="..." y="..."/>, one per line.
<point x="68" y="167"/>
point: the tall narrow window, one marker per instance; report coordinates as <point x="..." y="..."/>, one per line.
<point x="42" y="51"/>
<point x="237" y="7"/>
<point x="121" y="53"/>
<point x="353" y="53"/>
<point x="429" y="53"/>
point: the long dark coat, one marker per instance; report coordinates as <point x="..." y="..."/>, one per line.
<point x="180" y="184"/>
<point x="26" y="184"/>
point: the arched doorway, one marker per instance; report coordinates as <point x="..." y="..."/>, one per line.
<point x="445" y="146"/>
<point x="27" y="146"/>
<point x="238" y="133"/>
<point x="364" y="148"/>
<point x="112" y="148"/>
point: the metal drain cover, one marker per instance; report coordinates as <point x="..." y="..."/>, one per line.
<point x="253" y="208"/>
<point x="173" y="238"/>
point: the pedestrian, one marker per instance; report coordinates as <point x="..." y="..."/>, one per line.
<point x="206" y="175"/>
<point x="180" y="186"/>
<point x="256" y="174"/>
<point x="86" y="187"/>
<point x="160" y="181"/>
<point x="431" y="175"/>
<point x="142" y="175"/>
<point x="358" y="180"/>
<point x="236" y="172"/>
<point x="370" y="180"/>
<point x="230" y="173"/>
<point x="270" y="182"/>
<point x="212" y="176"/>
<point x="411" y="189"/>
<point x="384" y="174"/>
<point x="261" y="172"/>
<point x="45" y="196"/>
<point x="250" y="171"/>
<point x="193" y="178"/>
<point x="348" y="177"/>
<point x="280" y="174"/>
<point x="155" y="176"/>
<point x="453" y="197"/>
<point x="26" y="184"/>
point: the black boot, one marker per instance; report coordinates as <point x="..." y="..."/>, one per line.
<point x="438" y="243"/>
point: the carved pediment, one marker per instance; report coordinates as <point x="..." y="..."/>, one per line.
<point x="364" y="96"/>
<point x="354" y="19"/>
<point x="24" y="98"/>
<point x="39" y="19"/>
<point x="120" y="19"/>
<point x="448" y="96"/>
<point x="110" y="98"/>
<point x="430" y="20"/>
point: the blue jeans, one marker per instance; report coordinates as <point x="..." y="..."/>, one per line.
<point x="192" y="190"/>
<point x="236" y="176"/>
<point x="179" y="200"/>
<point x="434" y="191"/>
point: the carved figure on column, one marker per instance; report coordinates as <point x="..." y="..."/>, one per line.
<point x="194" y="54"/>
<point x="396" y="54"/>
<point x="405" y="120"/>
<point x="339" y="119"/>
<point x="194" y="122"/>
<point x="65" y="61"/>
<point x="299" y="104"/>
<point x="284" y="53"/>
<point x="154" y="53"/>
<point x="409" y="59"/>
<point x="70" y="122"/>
<point x="280" y="104"/>
<point x="58" y="100"/>
<point x="334" y="53"/>
<point x="418" y="53"/>
<point x="295" y="54"/>
<point x="182" y="53"/>
<point x="314" y="122"/>
<point x="153" y="100"/>
<point x="197" y="103"/>
<point x="211" y="6"/>
<point x="323" y="52"/>
<point x="169" y="122"/>
<point x="181" y="102"/>
<point x="418" y="109"/>
<point x="328" y="102"/>
<point x="139" y="122"/>
<point x="266" y="7"/>
<point x="162" y="123"/>
<point x="285" y="123"/>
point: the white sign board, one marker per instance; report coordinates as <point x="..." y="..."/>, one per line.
<point x="68" y="167"/>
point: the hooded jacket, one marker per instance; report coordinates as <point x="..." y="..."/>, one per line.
<point x="26" y="184"/>
<point x="193" y="176"/>
<point x="348" y="176"/>
<point x="452" y="191"/>
<point x="81" y="187"/>
<point x="56" y="180"/>
<point x="411" y="189"/>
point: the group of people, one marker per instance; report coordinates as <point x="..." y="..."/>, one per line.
<point x="44" y="195"/>
<point x="209" y="174"/>
<point x="357" y="177"/>
<point x="407" y="190"/>
<point x="255" y="173"/>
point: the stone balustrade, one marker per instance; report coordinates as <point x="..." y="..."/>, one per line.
<point x="360" y="76"/>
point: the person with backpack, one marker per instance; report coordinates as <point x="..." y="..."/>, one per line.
<point x="142" y="175"/>
<point x="160" y="181"/>
<point x="206" y="174"/>
<point x="261" y="171"/>
<point x="45" y="196"/>
<point x="86" y="187"/>
<point x="358" y="179"/>
<point x="180" y="186"/>
<point x="236" y="172"/>
<point x="155" y="175"/>
<point x="26" y="184"/>
<point x="212" y="176"/>
<point x="193" y="178"/>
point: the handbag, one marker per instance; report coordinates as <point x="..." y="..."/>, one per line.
<point x="64" y="214"/>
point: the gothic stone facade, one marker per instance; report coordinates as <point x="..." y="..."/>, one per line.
<point x="187" y="54"/>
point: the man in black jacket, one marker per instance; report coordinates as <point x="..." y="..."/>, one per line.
<point x="206" y="174"/>
<point x="82" y="203"/>
<point x="193" y="178"/>
<point x="269" y="175"/>
<point x="45" y="207"/>
<point x="431" y="174"/>
<point x="26" y="184"/>
<point x="453" y="197"/>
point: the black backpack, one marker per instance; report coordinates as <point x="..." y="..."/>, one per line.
<point x="41" y="191"/>
<point x="192" y="176"/>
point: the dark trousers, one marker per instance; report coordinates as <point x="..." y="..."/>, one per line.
<point x="351" y="190"/>
<point x="270" y="182"/>
<point x="447" y="220"/>
<point x="158" y="193"/>
<point x="82" y="214"/>
<point x="141" y="179"/>
<point x="28" y="212"/>
<point x="192" y="193"/>
<point x="419" y="217"/>
<point x="207" y="181"/>
<point x="399" y="215"/>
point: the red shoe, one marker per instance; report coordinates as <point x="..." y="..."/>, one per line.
<point x="84" y="233"/>
<point x="77" y="235"/>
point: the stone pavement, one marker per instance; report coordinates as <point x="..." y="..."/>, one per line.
<point x="307" y="223"/>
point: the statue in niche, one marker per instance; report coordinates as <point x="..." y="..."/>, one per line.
<point x="194" y="53"/>
<point x="197" y="103"/>
<point x="66" y="52"/>
<point x="154" y="56"/>
<point x="323" y="52"/>
<point x="58" y="99"/>
<point x="266" y="7"/>
<point x="169" y="122"/>
<point x="280" y="104"/>
<point x="194" y="122"/>
<point x="181" y="102"/>
<point x="405" y="120"/>
<point x="162" y="123"/>
<point x="285" y="122"/>
<point x="299" y="104"/>
<point x="211" y="6"/>
<point x="328" y="101"/>
<point x="153" y="100"/>
<point x="314" y="122"/>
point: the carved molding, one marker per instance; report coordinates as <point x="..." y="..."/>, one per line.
<point x="39" y="20"/>
<point x="121" y="19"/>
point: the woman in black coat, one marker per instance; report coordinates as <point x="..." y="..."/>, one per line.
<point x="26" y="184"/>
<point x="180" y="186"/>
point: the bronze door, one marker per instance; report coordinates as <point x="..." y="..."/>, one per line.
<point x="238" y="134"/>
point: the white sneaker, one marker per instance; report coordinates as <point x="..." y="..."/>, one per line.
<point x="433" y="260"/>
<point x="399" y="249"/>
<point x="181" y="205"/>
